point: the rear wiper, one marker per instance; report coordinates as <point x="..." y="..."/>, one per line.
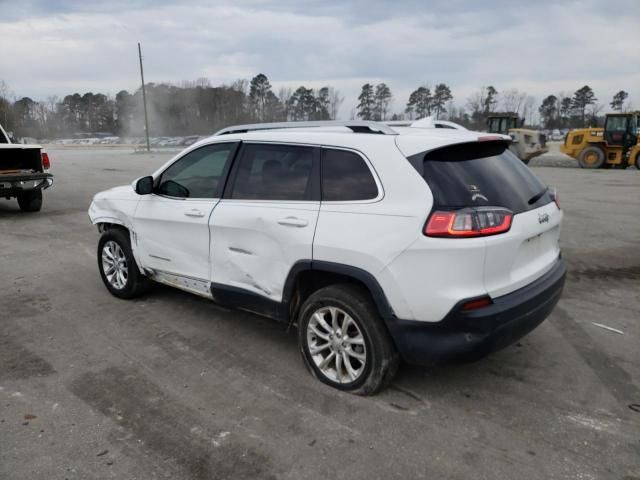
<point x="538" y="196"/>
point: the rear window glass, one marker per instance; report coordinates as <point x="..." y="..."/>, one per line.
<point x="346" y="177"/>
<point x="473" y="174"/>
<point x="274" y="172"/>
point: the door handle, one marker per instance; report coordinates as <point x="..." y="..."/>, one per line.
<point x="194" y="212"/>
<point x="293" y="222"/>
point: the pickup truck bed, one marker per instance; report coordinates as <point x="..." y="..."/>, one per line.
<point x="23" y="173"/>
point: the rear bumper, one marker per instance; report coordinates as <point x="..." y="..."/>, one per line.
<point x="470" y="335"/>
<point x="14" y="184"/>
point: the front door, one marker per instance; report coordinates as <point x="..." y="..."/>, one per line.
<point x="172" y="224"/>
<point x="266" y="221"/>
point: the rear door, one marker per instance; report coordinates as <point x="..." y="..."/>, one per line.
<point x="266" y="221"/>
<point x="172" y="224"/>
<point x="478" y="175"/>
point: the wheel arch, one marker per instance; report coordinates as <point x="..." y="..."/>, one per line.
<point x="308" y="276"/>
<point x="109" y="223"/>
<point x="106" y="223"/>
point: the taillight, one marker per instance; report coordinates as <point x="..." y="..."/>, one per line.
<point x="46" y="164"/>
<point x="468" y="222"/>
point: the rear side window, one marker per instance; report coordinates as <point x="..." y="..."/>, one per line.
<point x="477" y="174"/>
<point x="346" y="177"/>
<point x="274" y="172"/>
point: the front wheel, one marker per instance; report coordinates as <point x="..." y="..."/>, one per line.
<point x="591" y="157"/>
<point x="344" y="342"/>
<point x="30" y="201"/>
<point x="637" y="162"/>
<point x="118" y="268"/>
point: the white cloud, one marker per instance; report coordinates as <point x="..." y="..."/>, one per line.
<point x="540" y="48"/>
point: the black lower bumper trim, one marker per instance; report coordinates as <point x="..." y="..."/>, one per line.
<point x="10" y="185"/>
<point x="470" y="335"/>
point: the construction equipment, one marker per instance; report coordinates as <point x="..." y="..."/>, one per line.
<point x="526" y="143"/>
<point x="617" y="145"/>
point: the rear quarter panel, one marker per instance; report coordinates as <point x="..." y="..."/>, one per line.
<point x="370" y="234"/>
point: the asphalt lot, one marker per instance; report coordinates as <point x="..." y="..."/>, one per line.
<point x="172" y="386"/>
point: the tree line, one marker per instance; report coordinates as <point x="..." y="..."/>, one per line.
<point x="556" y="111"/>
<point x="197" y="107"/>
<point x="580" y="109"/>
<point x="188" y="108"/>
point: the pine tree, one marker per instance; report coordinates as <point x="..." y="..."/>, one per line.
<point x="441" y="95"/>
<point x="549" y="111"/>
<point x="581" y="99"/>
<point x="366" y="103"/>
<point x="420" y="103"/>
<point x="490" y="99"/>
<point x="383" y="98"/>
<point x="259" y="88"/>
<point x="618" y="100"/>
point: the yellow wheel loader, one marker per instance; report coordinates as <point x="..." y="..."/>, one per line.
<point x="617" y="145"/>
<point x="526" y="143"/>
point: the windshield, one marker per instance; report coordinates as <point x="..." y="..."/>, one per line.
<point x="618" y="124"/>
<point x="479" y="174"/>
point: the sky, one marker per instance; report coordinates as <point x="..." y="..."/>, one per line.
<point x="542" y="47"/>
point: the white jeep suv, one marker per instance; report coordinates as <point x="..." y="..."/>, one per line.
<point x="380" y="243"/>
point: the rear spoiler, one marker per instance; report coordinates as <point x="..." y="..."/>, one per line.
<point x="488" y="146"/>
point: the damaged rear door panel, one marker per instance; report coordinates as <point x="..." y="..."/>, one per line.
<point x="266" y="220"/>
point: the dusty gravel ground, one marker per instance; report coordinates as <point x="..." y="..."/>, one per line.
<point x="172" y="386"/>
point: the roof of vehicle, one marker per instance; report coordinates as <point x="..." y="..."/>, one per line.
<point x="623" y="114"/>
<point x="410" y="140"/>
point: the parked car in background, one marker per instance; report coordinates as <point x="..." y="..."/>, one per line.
<point x="190" y="140"/>
<point x="556" y="135"/>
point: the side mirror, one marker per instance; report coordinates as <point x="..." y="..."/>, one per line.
<point x="144" y="185"/>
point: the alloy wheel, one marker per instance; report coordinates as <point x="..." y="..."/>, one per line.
<point x="114" y="265"/>
<point x="336" y="345"/>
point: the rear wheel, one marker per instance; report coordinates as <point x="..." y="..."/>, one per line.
<point x="591" y="157"/>
<point x="637" y="162"/>
<point x="118" y="268"/>
<point x="30" y="201"/>
<point x="344" y="342"/>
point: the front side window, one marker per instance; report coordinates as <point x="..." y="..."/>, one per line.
<point x="346" y="177"/>
<point x="274" y="172"/>
<point x="199" y="174"/>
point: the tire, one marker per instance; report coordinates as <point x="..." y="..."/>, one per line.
<point x="30" y="201"/>
<point x="126" y="281"/>
<point x="637" y="162"/>
<point x="366" y="338"/>
<point x="591" y="157"/>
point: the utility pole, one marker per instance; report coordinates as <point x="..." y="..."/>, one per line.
<point x="144" y="100"/>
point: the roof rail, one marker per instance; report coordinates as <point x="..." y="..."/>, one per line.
<point x="355" y="126"/>
<point x="399" y="123"/>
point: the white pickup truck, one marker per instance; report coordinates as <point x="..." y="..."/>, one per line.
<point x="23" y="173"/>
